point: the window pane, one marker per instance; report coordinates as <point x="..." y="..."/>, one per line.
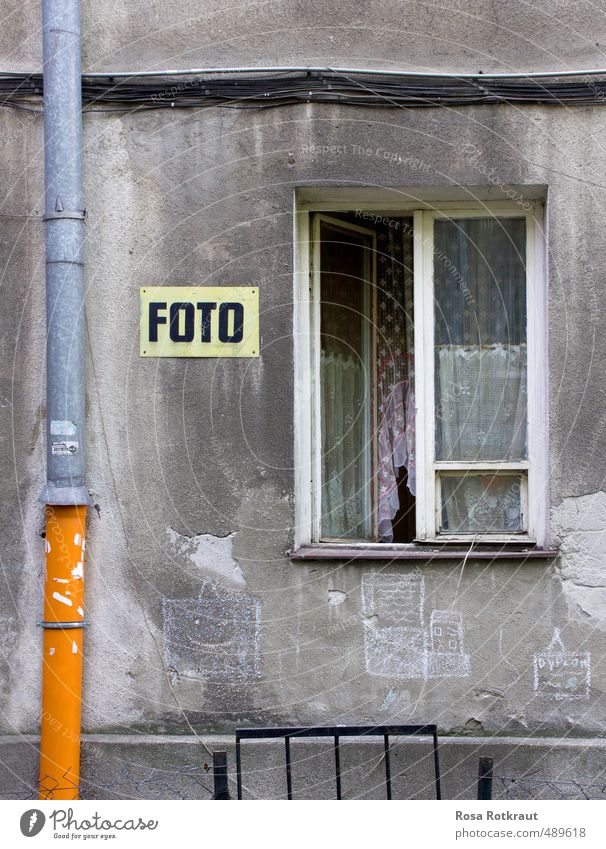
<point x="481" y="503"/>
<point x="480" y="339"/>
<point x="345" y="330"/>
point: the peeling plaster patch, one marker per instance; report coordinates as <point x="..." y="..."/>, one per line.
<point x="80" y="611"/>
<point x="579" y="525"/>
<point x="78" y="571"/>
<point x="371" y="620"/>
<point x="213" y="555"/>
<point x="215" y="637"/>
<point x="560" y="674"/>
<point x="488" y="693"/>
<point x="74" y="647"/>
<point x="336" y="596"/>
<point x="62" y="599"/>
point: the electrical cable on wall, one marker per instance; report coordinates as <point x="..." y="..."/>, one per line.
<point x="351" y="88"/>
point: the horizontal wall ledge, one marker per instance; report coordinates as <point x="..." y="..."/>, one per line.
<point x="326" y="551"/>
<point x="158" y="766"/>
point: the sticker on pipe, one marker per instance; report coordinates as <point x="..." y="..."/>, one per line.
<point x="62" y="428"/>
<point x="204" y="321"/>
<point x="64" y="449"/>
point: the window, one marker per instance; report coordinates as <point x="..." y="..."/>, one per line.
<point x="420" y="341"/>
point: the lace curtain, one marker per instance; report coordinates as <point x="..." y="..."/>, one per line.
<point x="487" y="503"/>
<point x="349" y="448"/>
<point x="480" y="367"/>
<point x="345" y="474"/>
<point x="482" y="403"/>
<point x="395" y="374"/>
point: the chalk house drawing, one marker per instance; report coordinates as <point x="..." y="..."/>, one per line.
<point x="214" y="637"/>
<point x="447" y="656"/>
<point x="560" y="674"/>
<point x="401" y="646"/>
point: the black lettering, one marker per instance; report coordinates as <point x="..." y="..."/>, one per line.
<point x="206" y="308"/>
<point x="155" y="319"/>
<point x="188" y="332"/>
<point x="238" y="311"/>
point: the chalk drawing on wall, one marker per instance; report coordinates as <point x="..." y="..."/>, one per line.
<point x="8" y="630"/>
<point x="560" y="674"/>
<point x="446" y="655"/>
<point x="396" y="648"/>
<point x="215" y="637"/>
<point x="396" y="652"/>
<point x="397" y="643"/>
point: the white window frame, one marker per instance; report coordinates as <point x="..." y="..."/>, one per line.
<point x="306" y="305"/>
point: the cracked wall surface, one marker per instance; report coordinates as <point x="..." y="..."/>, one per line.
<point x="579" y="530"/>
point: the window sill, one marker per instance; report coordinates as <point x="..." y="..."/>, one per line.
<point x="427" y="553"/>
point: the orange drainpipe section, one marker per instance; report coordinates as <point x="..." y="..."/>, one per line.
<point x="62" y="667"/>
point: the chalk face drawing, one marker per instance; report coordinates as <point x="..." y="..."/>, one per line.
<point x="398" y="644"/>
<point x="215" y="637"/>
<point x="560" y="674"/>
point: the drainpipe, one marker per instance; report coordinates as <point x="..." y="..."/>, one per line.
<point x="65" y="493"/>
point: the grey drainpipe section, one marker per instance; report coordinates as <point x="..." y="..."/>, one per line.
<point x="64" y="236"/>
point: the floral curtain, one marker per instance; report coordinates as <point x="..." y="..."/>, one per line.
<point x="395" y="373"/>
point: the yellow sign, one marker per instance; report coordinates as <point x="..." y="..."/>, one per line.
<point x="204" y="321"/>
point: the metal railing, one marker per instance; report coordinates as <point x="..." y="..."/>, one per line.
<point x="337" y="732"/>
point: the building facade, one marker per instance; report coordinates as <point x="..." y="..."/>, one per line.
<point x="430" y="299"/>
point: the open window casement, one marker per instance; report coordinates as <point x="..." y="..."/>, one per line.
<point x="425" y="346"/>
<point x="344" y="369"/>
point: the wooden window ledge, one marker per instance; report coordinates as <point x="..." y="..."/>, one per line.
<point x="428" y="552"/>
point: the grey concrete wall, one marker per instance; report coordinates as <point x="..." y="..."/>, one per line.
<point x="203" y="33"/>
<point x="191" y="462"/>
<point x="179" y="767"/>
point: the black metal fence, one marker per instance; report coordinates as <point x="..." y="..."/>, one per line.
<point x="107" y="776"/>
<point x="337" y="732"/>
